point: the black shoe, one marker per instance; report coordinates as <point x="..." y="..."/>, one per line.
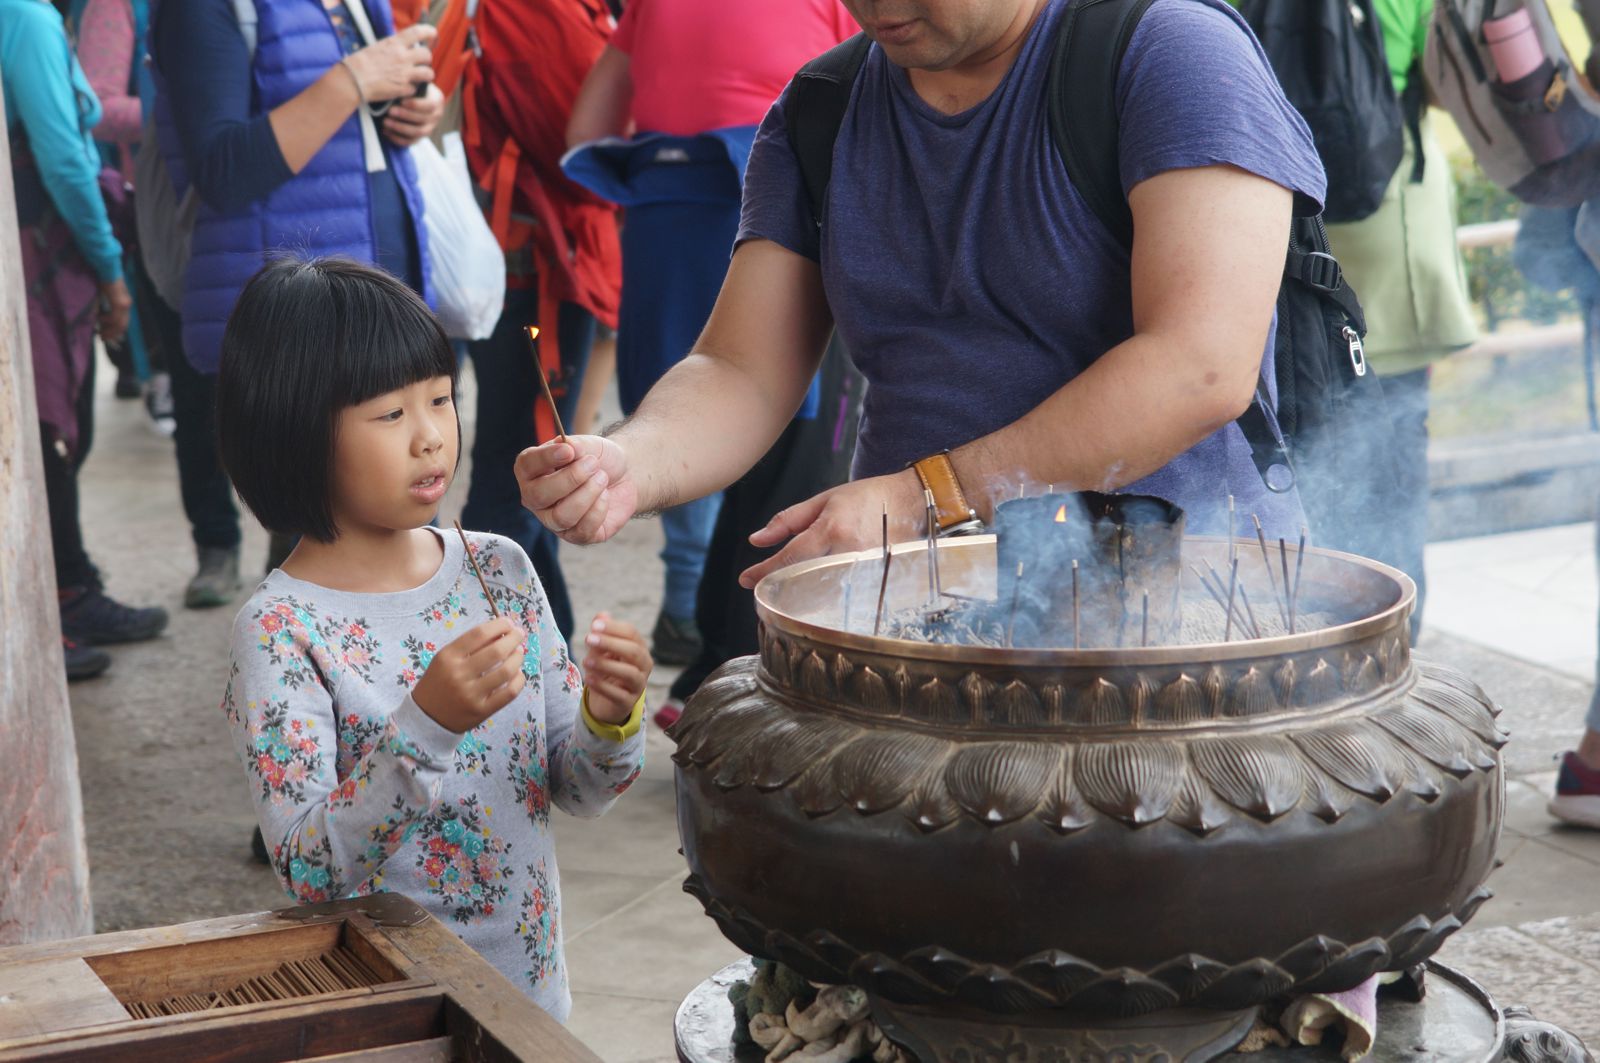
<point x="90" y="616"/>
<point x="258" y="848"/>
<point x="83" y="662"/>
<point x="675" y="640"/>
<point x="128" y="386"/>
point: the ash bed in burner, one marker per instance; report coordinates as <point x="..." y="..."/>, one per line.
<point x="1085" y="572"/>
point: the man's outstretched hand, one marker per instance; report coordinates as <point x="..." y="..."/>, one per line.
<point x="578" y="487"/>
<point x="848" y="517"/>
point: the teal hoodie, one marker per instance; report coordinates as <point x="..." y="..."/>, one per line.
<point x="47" y="93"/>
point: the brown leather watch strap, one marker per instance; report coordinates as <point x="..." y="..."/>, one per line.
<point x="950" y="502"/>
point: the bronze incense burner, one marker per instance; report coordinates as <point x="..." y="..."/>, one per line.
<point x="1059" y="838"/>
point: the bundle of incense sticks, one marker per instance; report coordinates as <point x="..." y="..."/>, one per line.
<point x="332" y="972"/>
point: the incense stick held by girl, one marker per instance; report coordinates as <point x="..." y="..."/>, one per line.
<point x="396" y="734"/>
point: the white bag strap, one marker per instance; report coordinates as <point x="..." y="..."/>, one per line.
<point x="372" y="147"/>
<point x="244" y="11"/>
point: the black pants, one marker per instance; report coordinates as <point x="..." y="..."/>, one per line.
<point x="207" y="494"/>
<point x="507" y="392"/>
<point x="808" y="458"/>
<point x="73" y="567"/>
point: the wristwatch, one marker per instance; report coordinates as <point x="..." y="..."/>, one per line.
<point x="954" y="513"/>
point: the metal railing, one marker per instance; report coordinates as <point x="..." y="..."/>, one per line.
<point x="1564" y="335"/>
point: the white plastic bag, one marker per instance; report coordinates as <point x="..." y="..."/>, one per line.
<point x="468" y="267"/>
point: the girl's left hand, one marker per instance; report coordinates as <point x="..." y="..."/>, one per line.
<point x="414" y="117"/>
<point x="616" y="668"/>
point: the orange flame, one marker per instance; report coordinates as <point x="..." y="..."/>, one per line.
<point x="1061" y="514"/>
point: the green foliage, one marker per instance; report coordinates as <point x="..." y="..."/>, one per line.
<point x="1497" y="287"/>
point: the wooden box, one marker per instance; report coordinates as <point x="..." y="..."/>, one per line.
<point x="368" y="980"/>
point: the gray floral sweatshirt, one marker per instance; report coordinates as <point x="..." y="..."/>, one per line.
<point x="358" y="790"/>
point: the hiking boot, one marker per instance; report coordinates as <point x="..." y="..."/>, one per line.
<point x="90" y="616"/>
<point x="216" y="581"/>
<point x="675" y="640"/>
<point x="158" y="404"/>
<point x="83" y="662"/>
<point x="1577" y="799"/>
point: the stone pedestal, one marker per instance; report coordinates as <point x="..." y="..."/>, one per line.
<point x="44" y="868"/>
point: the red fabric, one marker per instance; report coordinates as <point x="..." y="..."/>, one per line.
<point x="520" y="90"/>
<point x="699" y="65"/>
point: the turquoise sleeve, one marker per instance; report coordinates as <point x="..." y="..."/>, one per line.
<point x="39" y="75"/>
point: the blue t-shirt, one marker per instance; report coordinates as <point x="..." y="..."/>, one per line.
<point x="969" y="279"/>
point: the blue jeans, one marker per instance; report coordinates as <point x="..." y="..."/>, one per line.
<point x="507" y="391"/>
<point x="687" y="530"/>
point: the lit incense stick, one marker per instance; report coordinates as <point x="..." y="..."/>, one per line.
<point x="473" y="561"/>
<point x="544" y="383"/>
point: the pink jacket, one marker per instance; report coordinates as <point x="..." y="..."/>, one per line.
<point x="105" y="50"/>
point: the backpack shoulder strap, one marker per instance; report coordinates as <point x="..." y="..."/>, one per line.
<point x="1082" y="98"/>
<point x="818" y="99"/>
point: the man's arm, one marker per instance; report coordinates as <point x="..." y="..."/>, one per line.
<point x="1207" y="257"/>
<point x="709" y="419"/>
<point x="605" y="102"/>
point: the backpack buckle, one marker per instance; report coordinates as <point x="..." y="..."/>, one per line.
<point x="1321" y="271"/>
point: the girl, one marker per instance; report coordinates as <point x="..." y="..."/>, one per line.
<point x="395" y="735"/>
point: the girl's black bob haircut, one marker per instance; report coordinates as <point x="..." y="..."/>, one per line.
<point x="306" y="340"/>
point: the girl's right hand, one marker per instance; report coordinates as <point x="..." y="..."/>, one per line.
<point x="394" y="66"/>
<point x="473" y="677"/>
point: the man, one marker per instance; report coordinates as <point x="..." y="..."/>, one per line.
<point x="989" y="309"/>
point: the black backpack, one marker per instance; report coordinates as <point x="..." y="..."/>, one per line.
<point x="1336" y="440"/>
<point x="1329" y="58"/>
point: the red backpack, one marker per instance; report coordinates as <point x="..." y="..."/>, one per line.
<point x="519" y="65"/>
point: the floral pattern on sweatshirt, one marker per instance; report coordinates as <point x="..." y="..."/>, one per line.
<point x="359" y="791"/>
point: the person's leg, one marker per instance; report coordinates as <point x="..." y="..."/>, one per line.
<point x="507" y="392"/>
<point x="89" y="616"/>
<point x="202" y="484"/>
<point x="1406" y="395"/>
<point x="1577" y="797"/>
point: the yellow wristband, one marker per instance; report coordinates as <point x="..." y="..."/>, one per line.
<point x="614" y="732"/>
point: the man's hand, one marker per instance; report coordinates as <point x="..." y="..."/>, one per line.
<point x="849" y="517"/>
<point x="111" y="317"/>
<point x="615" y="670"/>
<point x="414" y="117"/>
<point x="578" y="487"/>
<point x="473" y="677"/>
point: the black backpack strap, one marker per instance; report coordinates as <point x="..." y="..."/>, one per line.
<point x="818" y="98"/>
<point x="1083" y="103"/>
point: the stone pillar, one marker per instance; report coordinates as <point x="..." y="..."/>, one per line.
<point x="44" y="867"/>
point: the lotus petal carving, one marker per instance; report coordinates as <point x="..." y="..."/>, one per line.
<point x="1135" y="782"/>
<point x="876" y="771"/>
<point x="1054" y="978"/>
<point x="1257" y="774"/>
<point x="998" y="782"/>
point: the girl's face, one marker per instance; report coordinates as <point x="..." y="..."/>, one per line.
<point x="393" y="457"/>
